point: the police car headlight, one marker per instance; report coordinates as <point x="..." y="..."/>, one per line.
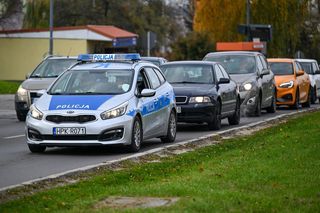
<point x="286" y="84"/>
<point x="115" y="112"/>
<point x="200" y="99"/>
<point x="35" y="113"/>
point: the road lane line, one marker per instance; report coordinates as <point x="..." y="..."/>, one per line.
<point x="15" y="136"/>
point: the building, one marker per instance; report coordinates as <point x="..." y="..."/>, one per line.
<point x="22" y="50"/>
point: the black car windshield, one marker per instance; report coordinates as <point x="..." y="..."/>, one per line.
<point x="188" y="73"/>
<point x="235" y="64"/>
<point x="79" y="82"/>
<point x="52" y="68"/>
<point x="281" y="68"/>
<point x="307" y="67"/>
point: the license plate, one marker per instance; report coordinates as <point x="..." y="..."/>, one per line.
<point x="69" y="131"/>
<point x="178" y="109"/>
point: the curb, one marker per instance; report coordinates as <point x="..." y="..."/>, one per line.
<point x="160" y="149"/>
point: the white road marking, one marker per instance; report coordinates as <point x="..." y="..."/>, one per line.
<point x="15" y="136"/>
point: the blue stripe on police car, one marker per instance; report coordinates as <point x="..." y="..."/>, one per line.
<point x="78" y="102"/>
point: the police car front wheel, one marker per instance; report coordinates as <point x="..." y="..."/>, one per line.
<point x="136" y="136"/>
<point x="34" y="148"/>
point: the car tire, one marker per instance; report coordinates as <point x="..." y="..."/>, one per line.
<point x="308" y="103"/>
<point x="235" y="118"/>
<point x="257" y="111"/>
<point x="297" y="102"/>
<point x="273" y="107"/>
<point x="216" y="123"/>
<point x="136" y="135"/>
<point x="313" y="95"/>
<point x="35" y="148"/>
<point x="172" y="129"/>
<point x="21" y="116"/>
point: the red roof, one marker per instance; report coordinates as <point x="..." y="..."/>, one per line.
<point x="105" y="30"/>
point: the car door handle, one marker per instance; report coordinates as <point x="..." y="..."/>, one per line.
<point x="167" y="94"/>
<point x="155" y="100"/>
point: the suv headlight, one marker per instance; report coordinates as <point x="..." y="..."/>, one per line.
<point x="115" y="112"/>
<point x="35" y="113"/>
<point x="22" y="94"/>
<point x="286" y="84"/>
<point x="245" y="87"/>
<point x="200" y="99"/>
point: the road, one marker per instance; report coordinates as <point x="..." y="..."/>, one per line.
<point x="18" y="164"/>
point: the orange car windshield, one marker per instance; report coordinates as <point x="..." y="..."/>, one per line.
<point x="281" y="68"/>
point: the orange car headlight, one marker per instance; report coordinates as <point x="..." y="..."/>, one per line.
<point x="286" y="84"/>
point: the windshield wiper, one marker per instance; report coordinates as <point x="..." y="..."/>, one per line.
<point x="187" y="82"/>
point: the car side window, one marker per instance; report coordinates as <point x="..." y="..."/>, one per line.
<point x="218" y="72"/>
<point x="224" y="73"/>
<point x="153" y="78"/>
<point x="264" y="62"/>
<point x="314" y="67"/>
<point x="298" y="67"/>
<point x="259" y="65"/>
<point x="142" y="82"/>
<point x="160" y="76"/>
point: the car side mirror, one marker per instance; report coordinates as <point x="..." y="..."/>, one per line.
<point x="147" y="93"/>
<point x="317" y="72"/>
<point x="224" y="81"/>
<point x="28" y="75"/>
<point x="300" y="72"/>
<point x="265" y="72"/>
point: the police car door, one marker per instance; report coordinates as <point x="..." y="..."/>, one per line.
<point x="159" y="112"/>
<point x="146" y="105"/>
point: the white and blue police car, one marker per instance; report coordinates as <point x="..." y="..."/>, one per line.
<point x="104" y="99"/>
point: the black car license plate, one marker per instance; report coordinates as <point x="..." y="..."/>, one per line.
<point x="69" y="131"/>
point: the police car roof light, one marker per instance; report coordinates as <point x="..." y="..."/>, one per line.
<point x="109" y="57"/>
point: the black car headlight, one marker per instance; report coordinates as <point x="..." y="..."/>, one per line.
<point x="115" y="112"/>
<point x="200" y="99"/>
<point x="35" y="113"/>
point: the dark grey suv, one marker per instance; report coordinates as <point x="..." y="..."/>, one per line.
<point x="254" y="78"/>
<point x="43" y="75"/>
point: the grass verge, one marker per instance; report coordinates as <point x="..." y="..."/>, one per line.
<point x="275" y="170"/>
<point x="9" y="87"/>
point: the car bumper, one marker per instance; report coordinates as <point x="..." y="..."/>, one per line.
<point x="196" y="113"/>
<point x="99" y="132"/>
<point x="286" y="96"/>
<point x="248" y="101"/>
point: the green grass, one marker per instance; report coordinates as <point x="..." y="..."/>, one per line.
<point x="9" y="87"/>
<point x="275" y="170"/>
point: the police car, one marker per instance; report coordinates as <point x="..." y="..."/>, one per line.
<point x="104" y="99"/>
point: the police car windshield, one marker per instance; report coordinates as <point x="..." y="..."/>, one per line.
<point x="52" y="68"/>
<point x="188" y="73"/>
<point x="235" y="64"/>
<point x="93" y="82"/>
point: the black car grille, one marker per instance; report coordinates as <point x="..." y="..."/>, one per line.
<point x="34" y="95"/>
<point x="181" y="99"/>
<point x="70" y="119"/>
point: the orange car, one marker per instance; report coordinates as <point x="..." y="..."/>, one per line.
<point x="293" y="84"/>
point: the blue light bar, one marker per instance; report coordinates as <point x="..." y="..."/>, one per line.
<point x="109" y="57"/>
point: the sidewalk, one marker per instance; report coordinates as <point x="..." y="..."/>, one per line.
<point x="7" y="106"/>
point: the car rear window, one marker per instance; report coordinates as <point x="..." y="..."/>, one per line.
<point x="281" y="68"/>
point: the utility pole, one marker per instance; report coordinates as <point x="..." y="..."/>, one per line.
<point x="51" y="29"/>
<point x="248" y="18"/>
<point x="148" y="43"/>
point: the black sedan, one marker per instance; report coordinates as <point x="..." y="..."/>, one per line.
<point x="204" y="92"/>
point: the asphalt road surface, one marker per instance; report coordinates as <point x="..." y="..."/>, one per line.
<point x="18" y="164"/>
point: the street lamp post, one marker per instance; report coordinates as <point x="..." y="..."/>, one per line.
<point x="51" y="29"/>
<point x="248" y="18"/>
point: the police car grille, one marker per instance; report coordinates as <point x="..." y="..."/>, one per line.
<point x="181" y="99"/>
<point x="70" y="119"/>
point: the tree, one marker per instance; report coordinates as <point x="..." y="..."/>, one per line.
<point x="194" y="46"/>
<point x="10" y="14"/>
